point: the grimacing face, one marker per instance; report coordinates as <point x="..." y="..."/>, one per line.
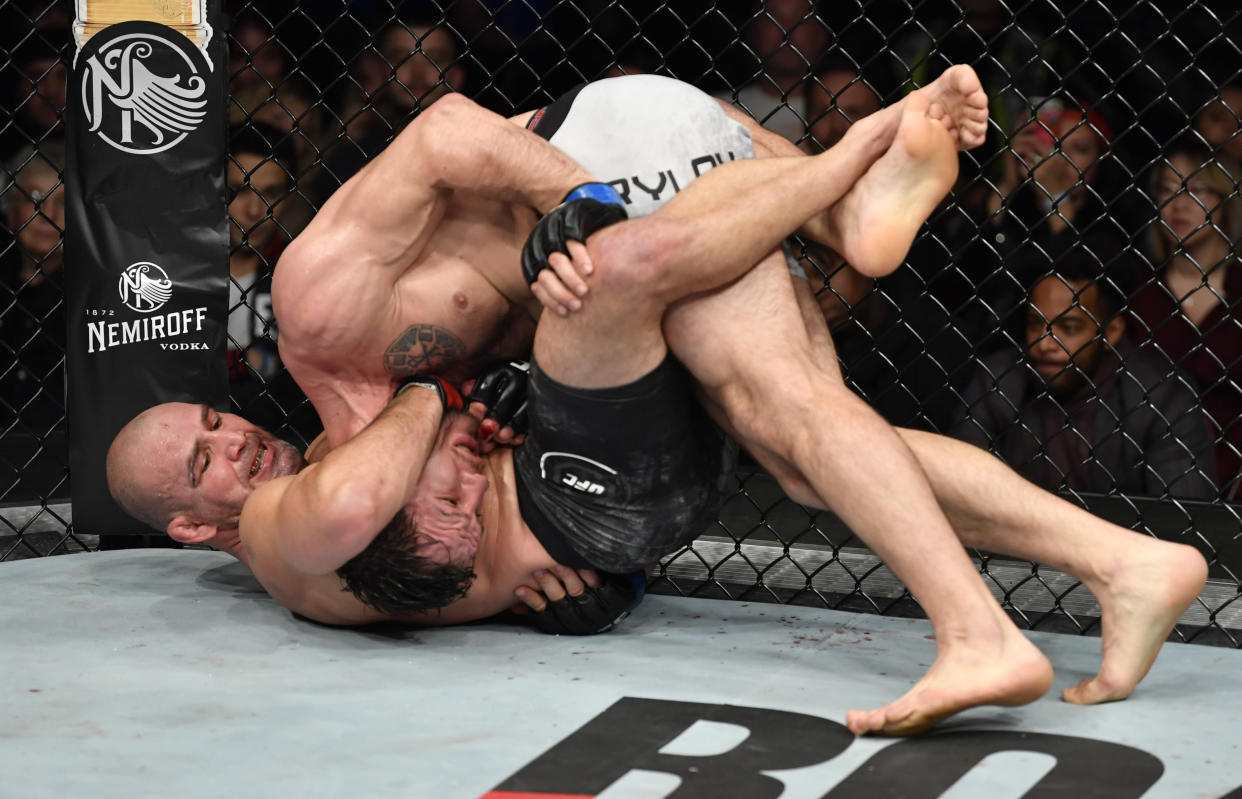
<point x="445" y="504"/>
<point x="205" y="463"/>
<point x="1064" y="335"/>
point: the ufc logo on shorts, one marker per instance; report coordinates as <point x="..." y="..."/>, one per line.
<point x="582" y="484"/>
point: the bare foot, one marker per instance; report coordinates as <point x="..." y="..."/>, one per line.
<point x="960" y="104"/>
<point x="1140" y="606"/>
<point x="876" y="222"/>
<point x="963" y="676"/>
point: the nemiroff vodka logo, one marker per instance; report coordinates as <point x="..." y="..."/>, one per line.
<point x="145" y="287"/>
<point x="139" y="99"/>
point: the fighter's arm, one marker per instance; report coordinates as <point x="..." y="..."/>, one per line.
<point x="315" y="521"/>
<point x="456" y="144"/>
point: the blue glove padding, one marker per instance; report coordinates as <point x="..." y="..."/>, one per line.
<point x="596" y="610"/>
<point x="604" y="192"/>
<point x="585" y="210"/>
<point x="501" y="386"/>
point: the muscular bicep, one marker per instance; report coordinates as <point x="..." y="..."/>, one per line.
<point x="387" y="211"/>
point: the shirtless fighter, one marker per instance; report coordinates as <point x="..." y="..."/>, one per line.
<point x="847" y="454"/>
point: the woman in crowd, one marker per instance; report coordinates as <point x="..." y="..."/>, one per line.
<point x="1057" y="192"/>
<point x="1190" y="308"/>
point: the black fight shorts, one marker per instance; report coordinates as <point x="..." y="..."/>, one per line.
<point x="614" y="479"/>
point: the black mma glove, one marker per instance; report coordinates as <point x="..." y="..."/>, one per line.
<point x="586" y="209"/>
<point x="502" y="388"/>
<point x="450" y="397"/>
<point x="595" y="610"/>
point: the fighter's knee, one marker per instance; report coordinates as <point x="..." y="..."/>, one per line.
<point x="638" y="257"/>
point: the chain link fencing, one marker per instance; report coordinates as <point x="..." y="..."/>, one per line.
<point x="1073" y="305"/>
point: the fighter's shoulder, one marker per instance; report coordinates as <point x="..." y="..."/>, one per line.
<point x="260" y="517"/>
<point x="320" y="274"/>
<point x="331" y="236"/>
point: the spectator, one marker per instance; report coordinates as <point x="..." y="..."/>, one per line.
<point x="898" y="351"/>
<point x="1051" y="199"/>
<point x="1049" y="174"/>
<point x="1220" y="120"/>
<point x="256" y="58"/>
<point x="1190" y="310"/>
<point x="424" y="65"/>
<point x="32" y="324"/>
<point x="260" y="164"/>
<point x="367" y="75"/>
<point x="1077" y="409"/>
<point x="1020" y="51"/>
<point x="787" y="37"/>
<point x="291" y="109"/>
<point x="38" y="79"/>
<point x="838" y="97"/>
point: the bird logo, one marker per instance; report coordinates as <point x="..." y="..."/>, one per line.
<point x="131" y="105"/>
<point x="145" y="287"/>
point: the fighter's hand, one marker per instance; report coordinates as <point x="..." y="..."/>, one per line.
<point x="581" y="602"/>
<point x="553" y="585"/>
<point x="560" y="287"/>
<point x="498" y="399"/>
<point x="450" y="398"/>
<point x="585" y="210"/>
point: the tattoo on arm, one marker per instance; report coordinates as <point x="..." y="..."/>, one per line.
<point x="422" y="349"/>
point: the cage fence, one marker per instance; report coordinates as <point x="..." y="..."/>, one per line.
<point x="1073" y="305"/>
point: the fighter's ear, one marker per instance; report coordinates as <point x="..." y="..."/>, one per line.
<point x="186" y="531"/>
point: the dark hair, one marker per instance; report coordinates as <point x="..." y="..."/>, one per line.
<point x="265" y="141"/>
<point x="389" y="576"/>
<point x="1220" y="171"/>
<point x="1079" y="265"/>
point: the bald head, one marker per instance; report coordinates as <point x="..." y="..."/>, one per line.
<point x="136" y="487"/>
<point x="192" y="465"/>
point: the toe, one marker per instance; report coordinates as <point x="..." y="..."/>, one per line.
<point x="1092" y="692"/>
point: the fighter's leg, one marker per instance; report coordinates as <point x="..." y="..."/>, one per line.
<point x="738" y="211"/>
<point x="717" y="228"/>
<point x="874" y="224"/>
<point x="1143" y="584"/>
<point x="749" y="348"/>
<point x="714" y="230"/>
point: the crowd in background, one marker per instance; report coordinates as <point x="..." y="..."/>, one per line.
<point x="1073" y="306"/>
